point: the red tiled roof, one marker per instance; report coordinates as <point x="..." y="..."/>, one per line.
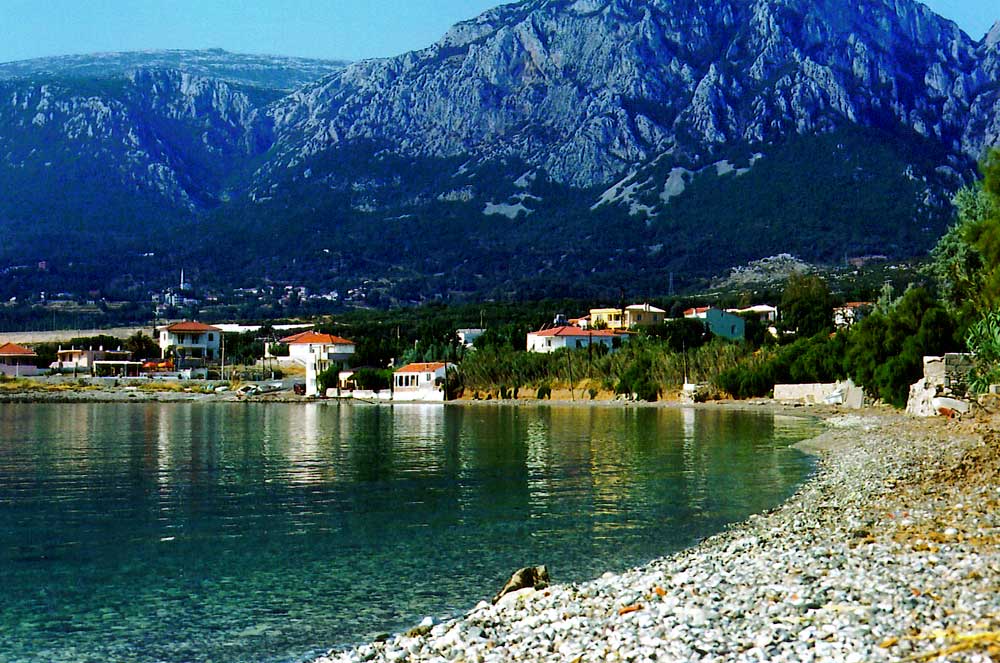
<point x="856" y="304"/>
<point x="13" y="349"/>
<point x="574" y="331"/>
<point x="311" y="337"/>
<point x="700" y="309"/>
<point x="188" y="327"/>
<point x="421" y="368"/>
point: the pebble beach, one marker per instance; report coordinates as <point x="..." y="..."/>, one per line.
<point x="891" y="552"/>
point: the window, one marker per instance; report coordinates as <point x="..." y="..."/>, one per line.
<point x="428" y="377"/>
<point x="211" y="337"/>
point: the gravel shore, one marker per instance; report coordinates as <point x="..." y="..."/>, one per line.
<point x="890" y="553"/>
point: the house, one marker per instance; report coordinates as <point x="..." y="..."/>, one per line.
<point x="851" y="313"/>
<point x="607" y="318"/>
<point x="767" y="314"/>
<point x="192" y="340"/>
<point x="85" y="360"/>
<point x="17" y="361"/>
<point x="550" y="340"/>
<point x="764" y="312"/>
<point x="643" y="315"/>
<point x="719" y="322"/>
<point x="467" y="337"/>
<point x="421" y="382"/>
<point x="318" y="352"/>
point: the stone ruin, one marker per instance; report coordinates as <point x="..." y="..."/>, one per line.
<point x="944" y="388"/>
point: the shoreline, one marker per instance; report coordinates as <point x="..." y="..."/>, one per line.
<point x="890" y="551"/>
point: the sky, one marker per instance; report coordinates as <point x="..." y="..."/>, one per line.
<point x="332" y="29"/>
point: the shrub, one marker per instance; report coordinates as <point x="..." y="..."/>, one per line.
<point x="544" y="391"/>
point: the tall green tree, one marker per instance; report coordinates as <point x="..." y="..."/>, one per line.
<point x="142" y="346"/>
<point x="806" y="305"/>
<point x="966" y="261"/>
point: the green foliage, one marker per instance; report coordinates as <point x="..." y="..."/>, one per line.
<point x="372" y="379"/>
<point x="279" y="349"/>
<point x="680" y="334"/>
<point x="638" y="380"/>
<point x="983" y="341"/>
<point x="328" y="379"/>
<point x="806" y="305"/>
<point x="815" y="359"/>
<point x="885" y="353"/>
<point x="544" y="391"/>
<point x="245" y="348"/>
<point x="141" y="346"/>
<point x="966" y="261"/>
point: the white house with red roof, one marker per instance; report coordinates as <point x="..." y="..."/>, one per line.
<point x="318" y="352"/>
<point x="17" y="361"/>
<point x="193" y="340"/>
<point x="421" y="382"/>
<point x="566" y="336"/>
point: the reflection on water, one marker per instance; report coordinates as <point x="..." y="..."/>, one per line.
<point x="221" y="532"/>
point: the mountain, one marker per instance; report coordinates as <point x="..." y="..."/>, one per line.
<point x="264" y="71"/>
<point x="547" y="147"/>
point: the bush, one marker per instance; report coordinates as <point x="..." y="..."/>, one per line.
<point x="983" y="340"/>
<point x="328" y="379"/>
<point x="373" y="379"/>
<point x="544" y="391"/>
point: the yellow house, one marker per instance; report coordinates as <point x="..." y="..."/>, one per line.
<point x="607" y="318"/>
<point x="643" y="315"/>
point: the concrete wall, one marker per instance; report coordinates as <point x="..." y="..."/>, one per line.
<point x="844" y="393"/>
<point x="804" y="393"/>
<point x="419" y="395"/>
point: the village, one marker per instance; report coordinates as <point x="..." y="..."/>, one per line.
<point x="312" y="364"/>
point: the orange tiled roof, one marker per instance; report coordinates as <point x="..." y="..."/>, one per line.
<point x="311" y="337"/>
<point x="188" y="327"/>
<point x="700" y="309"/>
<point x="574" y="331"/>
<point x="13" y="349"/>
<point x="421" y="368"/>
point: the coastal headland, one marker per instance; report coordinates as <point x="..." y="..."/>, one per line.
<point x="890" y="553"/>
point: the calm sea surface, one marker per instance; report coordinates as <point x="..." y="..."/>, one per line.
<point x="236" y="533"/>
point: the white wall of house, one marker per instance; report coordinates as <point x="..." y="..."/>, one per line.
<point x="205" y="344"/>
<point x="541" y="343"/>
<point x="318" y="357"/>
<point x="19" y="371"/>
<point x="420" y="386"/>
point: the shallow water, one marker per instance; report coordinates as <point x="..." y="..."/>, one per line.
<point x="236" y="533"/>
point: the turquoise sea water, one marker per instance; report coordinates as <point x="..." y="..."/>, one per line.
<point x="235" y="533"/>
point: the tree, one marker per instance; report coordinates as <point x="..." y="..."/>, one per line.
<point x="142" y="346"/>
<point x="806" y="305"/>
<point x="966" y="261"/>
<point x="885" y="351"/>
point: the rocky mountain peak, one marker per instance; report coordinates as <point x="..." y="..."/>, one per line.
<point x="992" y="37"/>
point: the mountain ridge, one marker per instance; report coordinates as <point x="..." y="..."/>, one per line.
<point x="667" y="129"/>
